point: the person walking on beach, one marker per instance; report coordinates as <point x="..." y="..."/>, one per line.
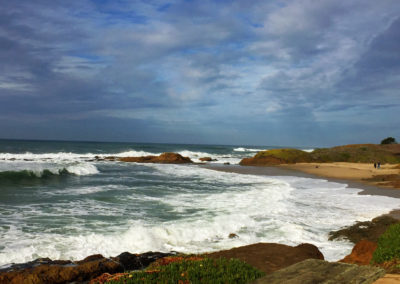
<point x="375" y="165"/>
<point x="379" y="165"/>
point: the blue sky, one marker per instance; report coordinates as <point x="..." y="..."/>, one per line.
<point x="301" y="73"/>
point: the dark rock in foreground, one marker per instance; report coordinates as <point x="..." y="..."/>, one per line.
<point x="164" y="158"/>
<point x="318" y="271"/>
<point x="269" y="257"/>
<point x="369" y="230"/>
<point x="45" y="270"/>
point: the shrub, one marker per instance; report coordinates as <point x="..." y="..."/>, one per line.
<point x="388" y="245"/>
<point x="196" y="271"/>
<point x="389" y="140"/>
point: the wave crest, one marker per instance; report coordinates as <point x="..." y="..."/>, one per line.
<point x="28" y="174"/>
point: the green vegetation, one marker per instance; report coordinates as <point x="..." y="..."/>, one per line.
<point x="388" y="245"/>
<point x="388" y="140"/>
<point x="359" y="153"/>
<point x="202" y="270"/>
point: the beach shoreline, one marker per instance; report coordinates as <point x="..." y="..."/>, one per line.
<point x="352" y="174"/>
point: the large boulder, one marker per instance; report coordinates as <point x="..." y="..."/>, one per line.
<point x="65" y="271"/>
<point x="312" y="271"/>
<point x="164" y="158"/>
<point x="362" y="253"/>
<point x="207" y="159"/>
<point x="269" y="257"/>
<point x="276" y="157"/>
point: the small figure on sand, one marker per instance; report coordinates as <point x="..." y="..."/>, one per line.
<point x="375" y="165"/>
<point x="379" y="165"/>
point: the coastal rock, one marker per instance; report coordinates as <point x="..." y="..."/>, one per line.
<point x="63" y="271"/>
<point x="277" y="157"/>
<point x="269" y="257"/>
<point x="361" y="253"/>
<point x="369" y="230"/>
<point x="164" y="158"/>
<point x="318" y="271"/>
<point x="207" y="159"/>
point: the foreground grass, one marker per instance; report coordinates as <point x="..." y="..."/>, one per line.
<point x="388" y="245"/>
<point x="194" y="270"/>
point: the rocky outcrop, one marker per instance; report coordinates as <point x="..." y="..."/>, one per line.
<point x="369" y="230"/>
<point x="164" y="158"/>
<point x="46" y="270"/>
<point x="361" y="253"/>
<point x="269" y="257"/>
<point x="318" y="271"/>
<point x="277" y="157"/>
<point x="207" y="159"/>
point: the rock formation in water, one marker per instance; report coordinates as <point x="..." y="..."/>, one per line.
<point x="164" y="158"/>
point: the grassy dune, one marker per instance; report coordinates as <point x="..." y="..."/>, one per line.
<point x="356" y="153"/>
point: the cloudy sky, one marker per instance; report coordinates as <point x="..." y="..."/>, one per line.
<point x="299" y="73"/>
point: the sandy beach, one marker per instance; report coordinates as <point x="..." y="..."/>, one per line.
<point x="352" y="171"/>
<point x="385" y="176"/>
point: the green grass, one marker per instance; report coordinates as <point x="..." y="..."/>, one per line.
<point x="195" y="271"/>
<point x="362" y="153"/>
<point x="388" y="245"/>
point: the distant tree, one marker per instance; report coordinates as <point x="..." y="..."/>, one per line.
<point x="389" y="140"/>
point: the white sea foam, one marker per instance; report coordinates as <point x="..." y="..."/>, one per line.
<point x="82" y="169"/>
<point x="62" y="157"/>
<point x="242" y="149"/>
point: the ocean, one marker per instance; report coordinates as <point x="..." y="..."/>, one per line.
<point x="58" y="201"/>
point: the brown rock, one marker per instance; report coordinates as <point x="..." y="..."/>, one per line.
<point x="206" y="159"/>
<point x="361" y="253"/>
<point x="60" y="273"/>
<point x="269" y="257"/>
<point x="164" y="158"/>
<point x="277" y="157"/>
<point x="233" y="236"/>
<point x="45" y="270"/>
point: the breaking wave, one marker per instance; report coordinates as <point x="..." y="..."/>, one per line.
<point x="29" y="174"/>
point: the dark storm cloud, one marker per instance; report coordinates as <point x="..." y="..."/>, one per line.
<point x="219" y="69"/>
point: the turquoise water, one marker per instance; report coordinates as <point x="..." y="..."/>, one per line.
<point x="57" y="201"/>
